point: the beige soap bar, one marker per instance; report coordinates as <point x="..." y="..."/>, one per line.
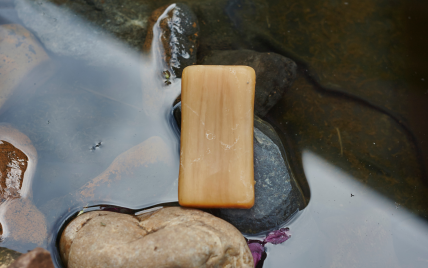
<point x="216" y="155"/>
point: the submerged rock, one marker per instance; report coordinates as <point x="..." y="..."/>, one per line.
<point x="23" y="61"/>
<point x="277" y="195"/>
<point x="177" y="30"/>
<point x="7" y="256"/>
<point x="92" y="30"/>
<point x="37" y="258"/>
<point x="274" y="73"/>
<point x="169" y="237"/>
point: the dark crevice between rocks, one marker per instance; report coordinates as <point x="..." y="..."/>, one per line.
<point x="305" y="70"/>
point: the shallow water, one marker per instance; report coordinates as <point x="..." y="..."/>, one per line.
<point x="354" y="133"/>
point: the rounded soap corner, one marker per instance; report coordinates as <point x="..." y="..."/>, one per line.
<point x="250" y="69"/>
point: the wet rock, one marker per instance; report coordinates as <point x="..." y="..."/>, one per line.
<point x="17" y="155"/>
<point x="277" y="195"/>
<point x="274" y="73"/>
<point x="13" y="164"/>
<point x="37" y="258"/>
<point x="177" y="30"/>
<point x="170" y="237"/>
<point x="7" y="256"/>
<point x="23" y="61"/>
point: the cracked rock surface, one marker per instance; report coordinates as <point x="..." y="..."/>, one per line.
<point x="169" y="237"/>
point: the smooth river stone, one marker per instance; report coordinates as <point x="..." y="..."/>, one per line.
<point x="277" y="195"/>
<point x="169" y="237"/>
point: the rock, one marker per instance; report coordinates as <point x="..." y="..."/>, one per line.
<point x="18" y="159"/>
<point x="37" y="258"/>
<point x="23" y="61"/>
<point x="7" y="256"/>
<point x="92" y="30"/>
<point x="274" y="74"/>
<point x="169" y="237"/>
<point x="277" y="194"/>
<point x="178" y="31"/>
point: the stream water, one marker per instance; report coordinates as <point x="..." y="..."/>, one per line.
<point x="106" y="136"/>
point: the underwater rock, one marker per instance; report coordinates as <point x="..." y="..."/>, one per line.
<point x="37" y="258"/>
<point x="21" y="56"/>
<point x="177" y="31"/>
<point x="274" y="73"/>
<point x="92" y="30"/>
<point x="277" y="195"/>
<point x="169" y="237"/>
<point x="7" y="256"/>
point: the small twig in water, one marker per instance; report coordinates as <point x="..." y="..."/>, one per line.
<point x="340" y="141"/>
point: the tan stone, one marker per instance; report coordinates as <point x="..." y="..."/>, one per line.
<point x="170" y="237"/>
<point x="20" y="54"/>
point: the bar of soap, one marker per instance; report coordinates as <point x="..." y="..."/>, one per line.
<point x="216" y="155"/>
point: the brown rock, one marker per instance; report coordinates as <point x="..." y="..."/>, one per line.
<point x="170" y="237"/>
<point x="20" y="54"/>
<point x="17" y="154"/>
<point x="37" y="258"/>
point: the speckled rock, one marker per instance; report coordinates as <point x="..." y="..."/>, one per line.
<point x="169" y="237"/>
<point x="177" y="31"/>
<point x="277" y="195"/>
<point x="274" y="73"/>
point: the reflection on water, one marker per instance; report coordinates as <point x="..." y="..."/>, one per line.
<point x="102" y="136"/>
<point x="347" y="224"/>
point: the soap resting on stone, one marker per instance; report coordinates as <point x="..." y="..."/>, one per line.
<point x="216" y="155"/>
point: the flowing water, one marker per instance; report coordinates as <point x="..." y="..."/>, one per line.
<point x="352" y="124"/>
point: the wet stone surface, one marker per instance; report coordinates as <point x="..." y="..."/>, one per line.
<point x="169" y="237"/>
<point x="277" y="195"/>
<point x="274" y="73"/>
<point x="13" y="164"/>
<point x="178" y="31"/>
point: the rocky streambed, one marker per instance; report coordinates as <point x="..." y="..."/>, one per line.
<point x="171" y="43"/>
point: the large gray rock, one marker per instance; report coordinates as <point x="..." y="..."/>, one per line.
<point x="170" y="237"/>
<point x="277" y="195"/>
<point x="274" y="73"/>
